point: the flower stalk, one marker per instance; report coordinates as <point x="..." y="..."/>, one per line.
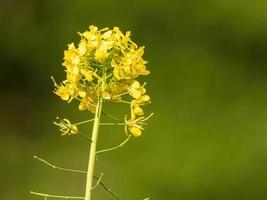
<point x="92" y="155"/>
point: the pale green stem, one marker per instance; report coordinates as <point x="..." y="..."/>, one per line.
<point x="110" y="124"/>
<point x="85" y="136"/>
<point x="119" y="95"/>
<point x="98" y="182"/>
<point x="92" y="155"/>
<point x="83" y="122"/>
<point x="55" y="196"/>
<point x="122" y="101"/>
<point x="116" y="147"/>
<point x="119" y="101"/>
<point x="112" y="117"/>
<point x="59" y="168"/>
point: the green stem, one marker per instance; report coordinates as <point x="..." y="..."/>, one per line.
<point x="92" y="155"/>
<point x="116" y="147"/>
<point x="55" y="196"/>
<point x="112" y="124"/>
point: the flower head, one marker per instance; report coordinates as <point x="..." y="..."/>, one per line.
<point x="104" y="64"/>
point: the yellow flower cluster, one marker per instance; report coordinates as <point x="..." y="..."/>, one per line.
<point x="105" y="64"/>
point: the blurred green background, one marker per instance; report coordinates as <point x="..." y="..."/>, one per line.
<point x="207" y="139"/>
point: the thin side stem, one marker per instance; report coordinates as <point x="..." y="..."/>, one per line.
<point x="85" y="136"/>
<point x="122" y="101"/>
<point x="98" y="182"/>
<point x="112" y="117"/>
<point x="77" y="171"/>
<point x="59" y="168"/>
<point x="116" y="147"/>
<point x="84" y="122"/>
<point x="119" y="101"/>
<point x="111" y="124"/>
<point x="55" y="196"/>
<point x="92" y="155"/>
<point x="119" y="95"/>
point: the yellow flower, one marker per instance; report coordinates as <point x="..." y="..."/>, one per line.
<point x="136" y="90"/>
<point x="84" y="105"/>
<point x="107" y="34"/>
<point x="73" y="129"/>
<point x="117" y="89"/>
<point x="130" y="65"/>
<point x="87" y="103"/>
<point x="82" y="49"/>
<point x="102" y="52"/>
<point x="73" y="75"/>
<point x="138" y="110"/>
<point x="135" y="125"/>
<point x="136" y="132"/>
<point x="71" y="56"/>
<point x="66" y="127"/>
<point x="88" y="74"/>
<point x="92" y="34"/>
<point x="121" y="72"/>
<point x="141" y="101"/>
<point x="64" y="91"/>
<point x="92" y="37"/>
<point x="81" y="93"/>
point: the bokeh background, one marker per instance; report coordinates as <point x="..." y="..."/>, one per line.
<point x="208" y="137"/>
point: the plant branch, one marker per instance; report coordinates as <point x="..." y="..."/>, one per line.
<point x="110" y="124"/>
<point x="83" y="122"/>
<point x="119" y="101"/>
<point x="112" y="117"/>
<point x="85" y="136"/>
<point x="55" y="196"/>
<point x="116" y="147"/>
<point x="107" y="189"/>
<point x="119" y="95"/>
<point x="59" y="168"/>
<point x="98" y="182"/>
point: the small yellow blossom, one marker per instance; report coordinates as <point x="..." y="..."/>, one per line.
<point x="81" y="93"/>
<point x="136" y="132"/>
<point x="87" y="103"/>
<point x="107" y="34"/>
<point x="64" y="91"/>
<point x="87" y="74"/>
<point x="82" y="49"/>
<point x="71" y="56"/>
<point x="136" y="90"/>
<point x="135" y="125"/>
<point x="130" y="65"/>
<point x="102" y="52"/>
<point x="138" y="110"/>
<point x="66" y="127"/>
